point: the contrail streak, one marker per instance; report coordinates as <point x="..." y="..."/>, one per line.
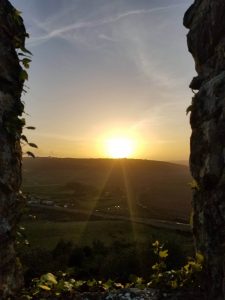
<point x="91" y="24"/>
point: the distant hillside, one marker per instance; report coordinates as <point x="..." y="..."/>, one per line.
<point x="181" y="162"/>
<point x="150" y="186"/>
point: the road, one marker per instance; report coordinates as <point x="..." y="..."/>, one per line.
<point x="145" y="221"/>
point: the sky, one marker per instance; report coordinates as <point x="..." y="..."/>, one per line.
<point x="108" y="68"/>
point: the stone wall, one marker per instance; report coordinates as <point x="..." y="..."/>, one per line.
<point x="12" y="35"/>
<point x="206" y="41"/>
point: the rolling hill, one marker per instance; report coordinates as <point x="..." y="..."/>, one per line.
<point x="123" y="186"/>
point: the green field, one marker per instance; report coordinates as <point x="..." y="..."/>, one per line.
<point x="46" y="234"/>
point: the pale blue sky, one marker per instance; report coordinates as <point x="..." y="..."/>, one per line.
<point x="107" y="67"/>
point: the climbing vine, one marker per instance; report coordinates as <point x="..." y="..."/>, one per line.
<point x="16" y="124"/>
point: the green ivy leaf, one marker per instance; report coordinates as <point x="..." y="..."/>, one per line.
<point x="30" y="154"/>
<point x="189" y="109"/>
<point x="78" y="283"/>
<point x="30" y="127"/>
<point x="91" y="283"/>
<point x="25" y="50"/>
<point x="26" y="62"/>
<point x="33" y="145"/>
<point x="18" y="12"/>
<point x="24" y="138"/>
<point x="22" y="54"/>
<point x="108" y="284"/>
<point x="23" y="75"/>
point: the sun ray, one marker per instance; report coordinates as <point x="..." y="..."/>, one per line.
<point x="130" y="203"/>
<point x="96" y="200"/>
<point x="129" y="196"/>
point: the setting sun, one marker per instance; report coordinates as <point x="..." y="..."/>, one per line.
<point x="119" y="147"/>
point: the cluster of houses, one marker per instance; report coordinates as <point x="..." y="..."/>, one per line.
<point x="35" y="200"/>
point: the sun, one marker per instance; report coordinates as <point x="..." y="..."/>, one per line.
<point x="120" y="147"/>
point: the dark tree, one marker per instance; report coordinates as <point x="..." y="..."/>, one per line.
<point x="206" y="41"/>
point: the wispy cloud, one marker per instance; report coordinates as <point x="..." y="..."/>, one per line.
<point x="61" y="31"/>
<point x="107" y="38"/>
<point x="157" y="115"/>
<point x="152" y="52"/>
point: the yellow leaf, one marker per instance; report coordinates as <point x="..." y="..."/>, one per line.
<point x="156" y="244"/>
<point x="194" y="185"/>
<point x="196" y="267"/>
<point x="174" y="284"/>
<point x="199" y="258"/>
<point x="155" y="267"/>
<point x="186" y="268"/>
<point x="49" y="277"/>
<point x="163" y="254"/>
<point x="17" y="12"/>
<point x="44" y="287"/>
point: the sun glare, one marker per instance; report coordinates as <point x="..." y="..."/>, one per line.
<point x="119" y="147"/>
